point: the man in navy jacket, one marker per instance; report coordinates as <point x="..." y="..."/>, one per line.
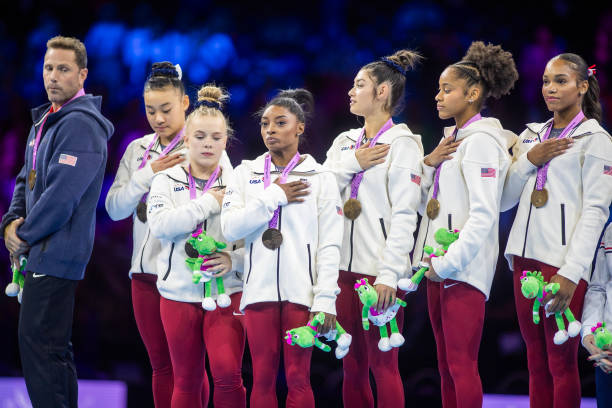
<point x="51" y="219"/>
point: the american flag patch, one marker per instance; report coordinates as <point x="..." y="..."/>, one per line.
<point x="487" y="172"/>
<point x="339" y="210"/>
<point x="415" y="179"/>
<point x="607" y="170"/>
<point x="67" y="159"/>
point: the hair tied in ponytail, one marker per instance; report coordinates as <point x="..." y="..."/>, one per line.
<point x="592" y="71"/>
<point x="209" y="104"/>
<point x="395" y="66"/>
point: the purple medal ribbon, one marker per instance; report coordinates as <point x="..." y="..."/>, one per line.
<point x="164" y="152"/>
<point x="358" y="177"/>
<point x="80" y="93"/>
<point x="283" y="178"/>
<point x="543" y="170"/>
<point x="193" y="192"/>
<point x="439" y="168"/>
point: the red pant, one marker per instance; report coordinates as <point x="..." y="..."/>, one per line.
<point x="553" y="370"/>
<point x="145" y="300"/>
<point x="266" y="324"/>
<point x="456" y="311"/>
<point x="364" y="354"/>
<point x="191" y="331"/>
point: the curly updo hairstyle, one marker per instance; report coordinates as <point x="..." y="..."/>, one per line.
<point x="393" y="69"/>
<point x="490" y="67"/>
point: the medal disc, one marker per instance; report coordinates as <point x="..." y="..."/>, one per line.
<point x="352" y="208"/>
<point x="141" y="211"/>
<point x="272" y="238"/>
<point x="539" y="197"/>
<point x="32" y="179"/>
<point x="433" y="208"/>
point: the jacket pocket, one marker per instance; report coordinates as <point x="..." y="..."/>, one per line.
<point x="169" y="262"/>
<point x="250" y="263"/>
<point x="563" y="224"/>
<point x="310" y="264"/>
<point x="44" y="245"/>
<point x="382" y="226"/>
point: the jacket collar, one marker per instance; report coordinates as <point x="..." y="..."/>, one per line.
<point x="586" y="128"/>
<point x="488" y="125"/>
<point x="306" y="166"/>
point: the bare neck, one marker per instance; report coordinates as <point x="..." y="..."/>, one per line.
<point x="374" y="123"/>
<point x="562" y="118"/>
<point x="202" y="172"/>
<point x="281" y="158"/>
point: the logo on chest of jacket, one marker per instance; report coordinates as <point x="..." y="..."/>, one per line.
<point x="141" y="158"/>
<point x="351" y="147"/>
<point x="529" y="140"/>
<point x="607" y="170"/>
<point x="256" y="180"/>
<point x="179" y="187"/>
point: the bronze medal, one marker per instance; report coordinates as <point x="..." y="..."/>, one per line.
<point x="352" y="208"/>
<point x="141" y="211"/>
<point x="433" y="208"/>
<point x="539" y="198"/>
<point x="32" y="179"/>
<point x="272" y="238"/>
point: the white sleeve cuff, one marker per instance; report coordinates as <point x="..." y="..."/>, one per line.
<point x="351" y="164"/>
<point x="443" y="269"/>
<point x="525" y="167"/>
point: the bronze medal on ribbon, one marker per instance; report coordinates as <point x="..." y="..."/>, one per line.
<point x="539" y="197"/>
<point x="272" y="238"/>
<point x="32" y="179"/>
<point x="141" y="211"/>
<point x="433" y="208"/>
<point x="352" y="208"/>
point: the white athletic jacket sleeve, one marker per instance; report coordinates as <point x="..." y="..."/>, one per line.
<point x="240" y="217"/>
<point x="331" y="228"/>
<point x="404" y="196"/>
<point x="596" y="196"/>
<point x="595" y="298"/>
<point x="482" y="153"/>
<point x="166" y="220"/>
<point x="129" y="185"/>
<point x="518" y="174"/>
<point x="344" y="168"/>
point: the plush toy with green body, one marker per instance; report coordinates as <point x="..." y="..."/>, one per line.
<point x="369" y="298"/>
<point x="444" y="238"/>
<point x="307" y="336"/>
<point x="534" y="286"/>
<point x="603" y="337"/>
<point x="198" y="247"/>
<point x="15" y="288"/>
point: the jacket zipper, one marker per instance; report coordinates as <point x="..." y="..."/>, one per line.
<point x="309" y="265"/>
<point x="382" y="225"/>
<point x="527" y="230"/>
<point x="450" y="221"/>
<point x="425" y="239"/>
<point x="143" y="249"/>
<point x="250" y="262"/>
<point x="562" y="224"/>
<point x="351" y="246"/>
<point x="280" y="213"/>
<point x="169" y="262"/>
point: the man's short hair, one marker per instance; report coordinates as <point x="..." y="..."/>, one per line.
<point x="70" y="43"/>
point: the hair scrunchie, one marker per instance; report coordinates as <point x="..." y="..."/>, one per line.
<point x="395" y="66"/>
<point x="208" y="104"/>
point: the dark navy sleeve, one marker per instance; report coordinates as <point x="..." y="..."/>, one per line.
<point x="18" y="204"/>
<point x="79" y="149"/>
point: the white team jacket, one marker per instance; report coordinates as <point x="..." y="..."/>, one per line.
<point x="598" y="299"/>
<point x="173" y="216"/>
<point x="470" y="190"/>
<point x="124" y="195"/>
<point x="304" y="270"/>
<point x="379" y="241"/>
<point x="564" y="232"/>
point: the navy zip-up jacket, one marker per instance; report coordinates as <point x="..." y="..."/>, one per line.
<point x="60" y="212"/>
